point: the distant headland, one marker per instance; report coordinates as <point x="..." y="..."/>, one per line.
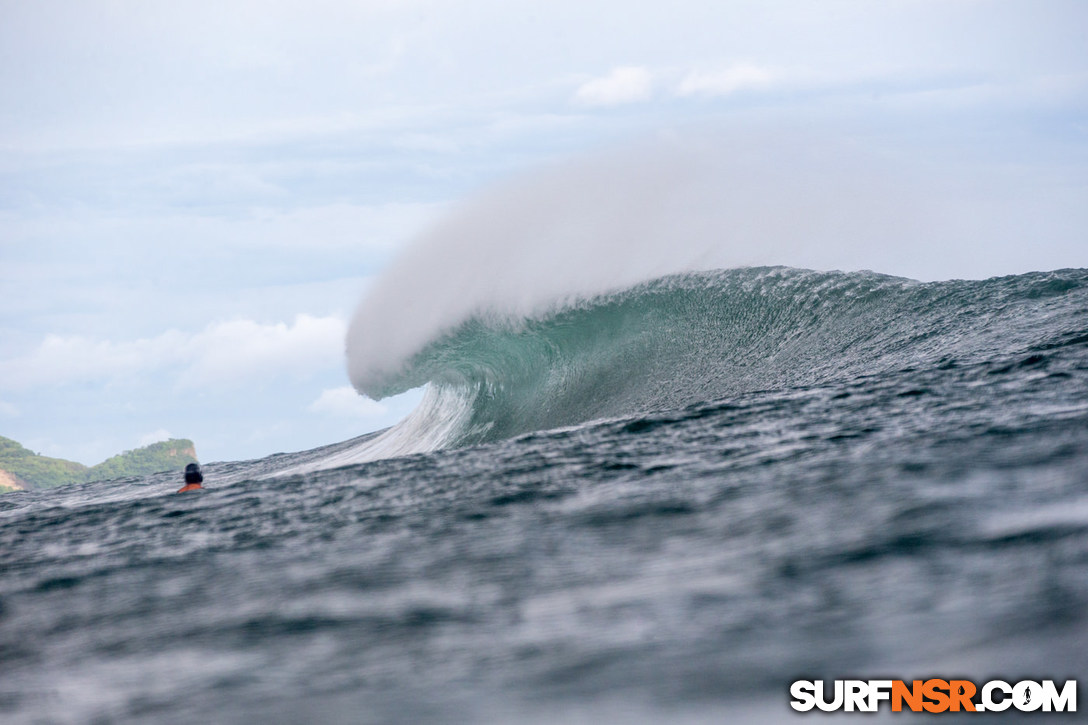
<point x="22" y="469"/>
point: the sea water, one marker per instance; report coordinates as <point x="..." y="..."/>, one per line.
<point x="660" y="504"/>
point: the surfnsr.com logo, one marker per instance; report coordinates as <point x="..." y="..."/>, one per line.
<point x="934" y="695"/>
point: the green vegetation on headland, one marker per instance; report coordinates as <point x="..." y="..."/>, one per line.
<point x="21" y="468"/>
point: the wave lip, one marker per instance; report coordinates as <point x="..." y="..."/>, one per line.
<point x="691" y="338"/>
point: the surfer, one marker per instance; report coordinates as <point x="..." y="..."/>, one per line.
<point x="193" y="478"/>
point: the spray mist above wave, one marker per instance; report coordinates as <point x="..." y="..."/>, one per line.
<point x="612" y="221"/>
<point x="700" y="202"/>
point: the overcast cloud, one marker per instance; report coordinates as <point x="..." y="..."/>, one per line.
<point x="194" y="196"/>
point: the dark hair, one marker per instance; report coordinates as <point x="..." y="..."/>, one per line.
<point x="193" y="474"/>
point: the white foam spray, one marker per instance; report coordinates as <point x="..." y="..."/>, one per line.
<point x="679" y="203"/>
<point x="675" y="204"/>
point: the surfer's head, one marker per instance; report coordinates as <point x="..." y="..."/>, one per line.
<point x="193" y="473"/>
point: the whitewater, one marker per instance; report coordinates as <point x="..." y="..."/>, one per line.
<point x="640" y="280"/>
<point x="677" y="448"/>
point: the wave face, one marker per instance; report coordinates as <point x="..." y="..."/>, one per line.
<point x="696" y="337"/>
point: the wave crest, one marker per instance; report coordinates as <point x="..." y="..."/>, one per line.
<point x="691" y="338"/>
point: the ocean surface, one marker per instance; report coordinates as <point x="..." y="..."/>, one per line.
<point x="658" y="505"/>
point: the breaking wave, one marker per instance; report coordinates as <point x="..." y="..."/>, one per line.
<point x="580" y="292"/>
<point x="695" y="337"/>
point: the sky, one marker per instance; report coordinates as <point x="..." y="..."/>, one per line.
<point x="195" y="196"/>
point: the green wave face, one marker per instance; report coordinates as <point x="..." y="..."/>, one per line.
<point x="693" y="338"/>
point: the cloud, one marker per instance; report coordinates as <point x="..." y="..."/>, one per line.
<point x="725" y="81"/>
<point x="8" y="410"/>
<point x="224" y="352"/>
<point x="61" y="360"/>
<point x="344" y="402"/>
<point x="155" y="437"/>
<point x="627" y="84"/>
<point x="238" y="349"/>
<point x="632" y="84"/>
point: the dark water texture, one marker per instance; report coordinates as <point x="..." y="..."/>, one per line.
<point x="910" y="501"/>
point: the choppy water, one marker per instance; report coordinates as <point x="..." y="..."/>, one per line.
<point x="845" y="476"/>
